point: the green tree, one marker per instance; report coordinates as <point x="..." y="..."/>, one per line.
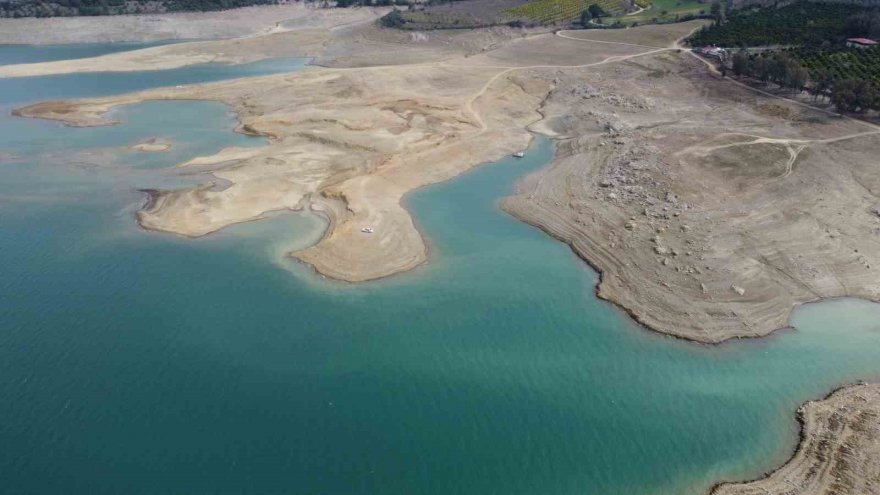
<point x="596" y="11"/>
<point x="717" y="12"/>
<point x="863" y="24"/>
<point x="822" y="81"/>
<point x="843" y="95"/>
<point x="761" y="68"/>
<point x="798" y="78"/>
<point x="586" y="17"/>
<point x="866" y="95"/>
<point x="841" y="98"/>
<point x="740" y="63"/>
<point x="393" y="19"/>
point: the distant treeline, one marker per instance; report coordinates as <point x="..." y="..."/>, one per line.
<point x="849" y="94"/>
<point x="807" y="50"/>
<point x="800" y="23"/>
<point x="56" y="8"/>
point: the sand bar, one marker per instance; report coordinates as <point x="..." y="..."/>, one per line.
<point x="152" y="145"/>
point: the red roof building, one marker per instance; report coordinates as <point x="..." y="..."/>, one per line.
<point x="860" y="43"/>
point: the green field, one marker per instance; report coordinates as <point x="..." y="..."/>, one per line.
<point x="663" y="11"/>
<point x="547" y="11"/>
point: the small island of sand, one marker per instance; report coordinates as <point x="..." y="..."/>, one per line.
<point x="153" y="145"/>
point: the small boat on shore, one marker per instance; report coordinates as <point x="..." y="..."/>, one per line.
<point x="519" y="154"/>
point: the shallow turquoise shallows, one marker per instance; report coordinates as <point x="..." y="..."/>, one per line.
<point x="135" y="362"/>
<point x="24" y="54"/>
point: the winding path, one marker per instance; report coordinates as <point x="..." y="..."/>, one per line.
<point x="794" y="151"/>
<point x="616" y="58"/>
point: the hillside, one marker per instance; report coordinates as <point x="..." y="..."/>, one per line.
<point x="59" y="8"/>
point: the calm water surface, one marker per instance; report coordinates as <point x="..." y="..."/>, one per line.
<point x="28" y="54"/>
<point x="135" y="362"/>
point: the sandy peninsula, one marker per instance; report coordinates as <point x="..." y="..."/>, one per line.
<point x="351" y="142"/>
<point x="839" y="450"/>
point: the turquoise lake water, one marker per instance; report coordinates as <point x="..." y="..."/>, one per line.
<point x="28" y="54"/>
<point x="136" y="362"/>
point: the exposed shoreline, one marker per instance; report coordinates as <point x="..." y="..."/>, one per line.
<point x="664" y="247"/>
<point x="709" y="213"/>
<point x="635" y="122"/>
<point x="233" y="23"/>
<point x="830" y="431"/>
<point x="347" y="257"/>
<point x="630" y="121"/>
<point x="631" y="314"/>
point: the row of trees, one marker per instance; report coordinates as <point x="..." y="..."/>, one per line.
<point x="847" y="95"/>
<point x="863" y="25"/>
<point x="799" y="23"/>
<point x="851" y="95"/>
<point x="778" y="68"/>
